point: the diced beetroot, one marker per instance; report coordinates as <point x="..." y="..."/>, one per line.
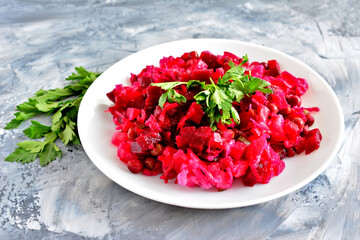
<point x="124" y="152"/>
<point x="262" y="113"/>
<point x="257" y="70"/>
<point x="231" y="57"/>
<point x="266" y="171"/>
<point x="196" y="64"/>
<point x="142" y="116"/>
<point x="200" y="139"/>
<point x="216" y="141"/>
<point x="292" y="133"/>
<point x="203" y="75"/>
<point x="278" y="98"/>
<point x="276" y="127"/>
<point x="300" y="145"/>
<point x="259" y="98"/>
<point x="299" y="85"/>
<point x="147" y="141"/>
<point x="238" y="150"/>
<point x="132" y="113"/>
<point x="278" y="83"/>
<point x="111" y="96"/>
<point x="290" y="152"/>
<point x="119" y="137"/>
<point x="228" y="134"/>
<point x="312" y="140"/>
<point x="245" y="119"/>
<point x="153" y="124"/>
<point x="124" y="123"/>
<point x="152" y="96"/>
<point x="279" y="168"/>
<point x="190" y="55"/>
<point x="185" y="136"/>
<point x="195" y="113"/>
<point x="253" y="152"/>
<point x="210" y="59"/>
<point x="218" y="73"/>
<point x="169" y="62"/>
<point x="249" y="179"/>
<point x="273" y="68"/>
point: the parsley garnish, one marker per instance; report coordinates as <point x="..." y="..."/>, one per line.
<point x="217" y="99"/>
<point x="63" y="112"/>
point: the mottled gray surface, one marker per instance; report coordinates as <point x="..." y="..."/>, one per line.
<point x="42" y="41"/>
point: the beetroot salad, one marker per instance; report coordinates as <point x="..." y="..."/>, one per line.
<point x="206" y="120"/>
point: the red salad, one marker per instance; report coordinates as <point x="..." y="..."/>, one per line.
<point x="206" y="120"/>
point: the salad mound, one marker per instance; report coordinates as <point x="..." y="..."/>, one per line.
<point x="206" y="120"/>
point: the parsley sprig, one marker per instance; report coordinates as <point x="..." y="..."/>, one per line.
<point x="217" y="99"/>
<point x="62" y="105"/>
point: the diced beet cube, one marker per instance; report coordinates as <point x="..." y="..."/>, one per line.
<point x="299" y="85"/>
<point x="312" y="140"/>
<point x="273" y="68"/>
<point x="210" y="59"/>
<point x="276" y="127"/>
<point x="203" y="75"/>
<point x="119" y="137"/>
<point x="238" y="150"/>
<point x="132" y="113"/>
<point x="249" y="179"/>
<point x="147" y="141"/>
<point x="279" y="99"/>
<point x="200" y="139"/>
<point x="257" y="70"/>
<point x="218" y="73"/>
<point x="300" y="145"/>
<point x="291" y="130"/>
<point x="290" y="152"/>
<point x="279" y="167"/>
<point x="152" y="96"/>
<point x="153" y="124"/>
<point x="111" y="96"/>
<point x="216" y="141"/>
<point x="185" y="136"/>
<point x="124" y="152"/>
<point x="228" y="134"/>
<point x="232" y="57"/>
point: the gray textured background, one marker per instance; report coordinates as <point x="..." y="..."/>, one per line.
<point x="42" y="41"/>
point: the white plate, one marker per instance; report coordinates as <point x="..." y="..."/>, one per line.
<point x="96" y="128"/>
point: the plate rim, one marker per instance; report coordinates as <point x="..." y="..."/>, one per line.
<point x="295" y="187"/>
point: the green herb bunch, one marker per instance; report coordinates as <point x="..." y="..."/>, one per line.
<point x="217" y="99"/>
<point x="62" y="105"/>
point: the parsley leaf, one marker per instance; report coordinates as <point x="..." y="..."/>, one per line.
<point x="171" y="95"/>
<point x="49" y="153"/>
<point x="36" y="130"/>
<point x="21" y="155"/>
